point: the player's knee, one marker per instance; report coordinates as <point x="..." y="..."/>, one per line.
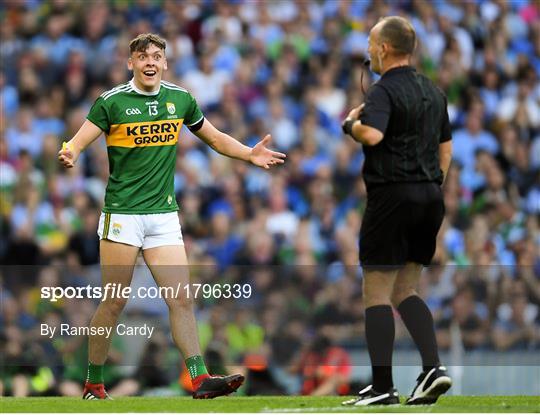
<point x="181" y="302"/>
<point x="114" y="306"/>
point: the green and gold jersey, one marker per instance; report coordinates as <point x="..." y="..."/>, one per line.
<point x="141" y="131"/>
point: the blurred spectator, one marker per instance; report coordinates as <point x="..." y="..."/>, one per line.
<point x="223" y="246"/>
<point x="466" y="142"/>
<point x="281" y="126"/>
<point x="325" y="369"/>
<point x="515" y="327"/>
<point x="243" y="335"/>
<point x="55" y="42"/>
<point x="328" y="98"/>
<point x="286" y="345"/>
<point x="9" y="96"/>
<point x="463" y="313"/>
<point x="281" y="221"/>
<point x="206" y="83"/>
<point x="25" y="134"/>
<point x="154" y="369"/>
<point x="85" y="243"/>
<point x="521" y="108"/>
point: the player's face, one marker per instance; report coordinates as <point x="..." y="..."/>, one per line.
<point x="148" y="67"/>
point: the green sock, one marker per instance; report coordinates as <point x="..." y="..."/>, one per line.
<point x="95" y="373"/>
<point x="196" y="366"/>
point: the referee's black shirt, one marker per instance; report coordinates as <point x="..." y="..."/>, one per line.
<point x="411" y="112"/>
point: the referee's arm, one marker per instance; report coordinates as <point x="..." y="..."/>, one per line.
<point x="367" y="123"/>
<point x="445" y="157"/>
<point x="365" y="134"/>
<point x="445" y="144"/>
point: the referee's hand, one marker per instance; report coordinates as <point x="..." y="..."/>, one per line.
<point x="354" y="114"/>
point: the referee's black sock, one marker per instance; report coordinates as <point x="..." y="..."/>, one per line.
<point x="380" y="333"/>
<point x="419" y="321"/>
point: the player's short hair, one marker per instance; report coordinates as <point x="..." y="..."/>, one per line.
<point x="399" y="33"/>
<point x="141" y="42"/>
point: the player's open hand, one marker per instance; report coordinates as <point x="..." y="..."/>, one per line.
<point x="264" y="157"/>
<point x="67" y="156"/>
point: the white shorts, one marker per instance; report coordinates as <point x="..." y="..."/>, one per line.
<point x="143" y="231"/>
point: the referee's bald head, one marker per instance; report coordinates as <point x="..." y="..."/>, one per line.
<point x="397" y="32"/>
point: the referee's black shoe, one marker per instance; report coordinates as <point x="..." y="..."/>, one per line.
<point x="429" y="386"/>
<point x="214" y="386"/>
<point x="369" y="396"/>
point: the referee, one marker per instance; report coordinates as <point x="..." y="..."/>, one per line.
<point x="404" y="128"/>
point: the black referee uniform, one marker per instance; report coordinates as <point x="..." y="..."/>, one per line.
<point x="405" y="205"/>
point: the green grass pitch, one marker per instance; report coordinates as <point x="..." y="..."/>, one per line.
<point x="268" y="404"/>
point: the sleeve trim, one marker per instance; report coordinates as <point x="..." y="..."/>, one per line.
<point x="196" y="125"/>
<point x="196" y="122"/>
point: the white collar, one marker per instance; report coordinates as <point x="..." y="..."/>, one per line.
<point x="138" y="91"/>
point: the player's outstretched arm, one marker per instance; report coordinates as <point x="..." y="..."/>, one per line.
<point x="259" y="155"/>
<point x="71" y="150"/>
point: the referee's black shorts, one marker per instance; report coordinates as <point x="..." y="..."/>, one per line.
<point x="400" y="225"/>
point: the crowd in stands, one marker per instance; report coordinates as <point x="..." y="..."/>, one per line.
<point x="293" y="69"/>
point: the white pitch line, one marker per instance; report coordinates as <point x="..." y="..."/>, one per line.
<point x="301" y="410"/>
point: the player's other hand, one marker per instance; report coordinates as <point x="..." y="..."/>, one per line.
<point x="67" y="156"/>
<point x="264" y="157"/>
<point x="355" y="112"/>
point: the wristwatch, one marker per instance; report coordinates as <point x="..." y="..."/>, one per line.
<point x="348" y="125"/>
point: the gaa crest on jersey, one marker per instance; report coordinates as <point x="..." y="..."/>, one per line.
<point x="169" y="199"/>
<point x="171" y="108"/>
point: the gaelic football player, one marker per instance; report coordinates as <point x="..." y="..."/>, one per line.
<point x="141" y="120"/>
